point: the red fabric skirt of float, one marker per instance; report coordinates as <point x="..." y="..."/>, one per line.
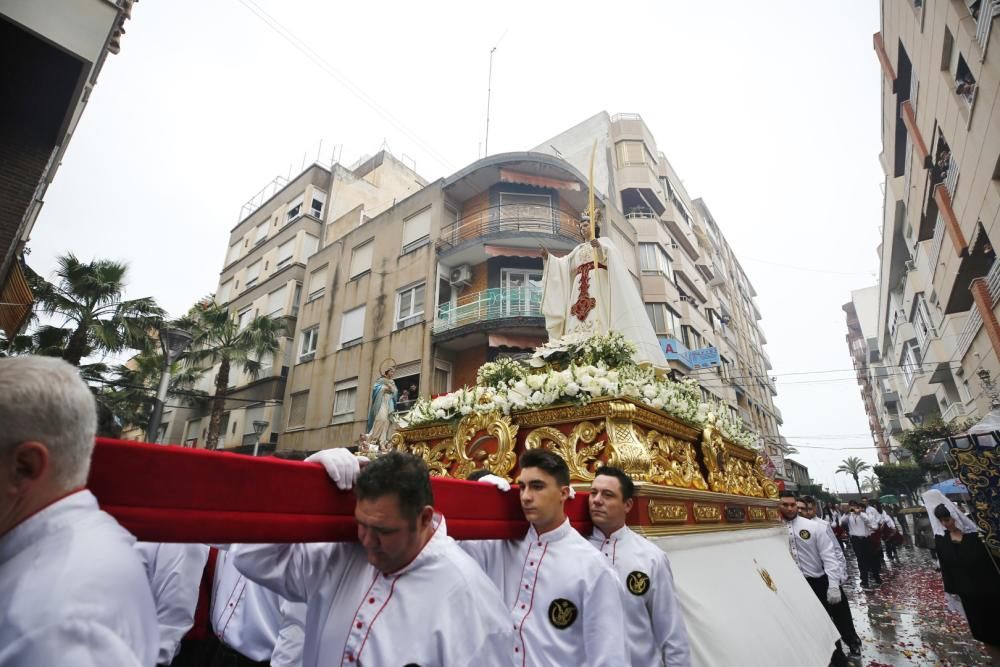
<point x="163" y="493"/>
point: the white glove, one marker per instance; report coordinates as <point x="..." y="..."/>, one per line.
<point x="342" y="466"/>
<point x="496" y="481"/>
<point x="833" y="595"/>
<point x="572" y="493"/>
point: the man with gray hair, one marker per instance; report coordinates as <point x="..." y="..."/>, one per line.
<point x="74" y="592"/>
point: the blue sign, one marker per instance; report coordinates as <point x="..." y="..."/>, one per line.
<point x="675" y="350"/>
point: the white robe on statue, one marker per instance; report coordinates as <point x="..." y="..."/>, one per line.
<point x="578" y="299"/>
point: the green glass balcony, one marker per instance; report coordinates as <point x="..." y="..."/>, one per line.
<point x="489" y="305"/>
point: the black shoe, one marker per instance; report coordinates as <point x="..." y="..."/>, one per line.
<point x="855" y="650"/>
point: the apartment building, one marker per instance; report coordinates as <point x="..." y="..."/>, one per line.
<point x="265" y="273"/>
<point x="878" y="390"/>
<point x="439" y="278"/>
<point x="936" y="326"/>
<point x="66" y="49"/>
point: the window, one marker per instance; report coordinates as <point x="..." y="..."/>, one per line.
<point x="441" y="383"/>
<point x="266" y="365"/>
<point x="244" y="318"/>
<point x="192" y="432"/>
<point x="633" y="152"/>
<point x="251" y="415"/>
<point x="285" y="252"/>
<point x="222" y="296"/>
<point x="416" y="230"/>
<point x="253" y="273"/>
<point x="296" y="299"/>
<point x="276" y="302"/>
<point x="310" y="244"/>
<point x="318" y="200"/>
<point x="261" y="234"/>
<point x="294" y="209"/>
<point x="409" y="306"/>
<point x="317" y="283"/>
<point x="361" y="258"/>
<point x="965" y="83"/>
<point x="352" y="326"/>
<point x="297" y="410"/>
<point x="345" y="398"/>
<point x="526" y="212"/>
<point x="307" y="344"/>
<point x="652" y="257"/>
<point x="921" y="320"/>
<point x="664" y="319"/>
<point x="909" y="362"/>
<point x="691" y="338"/>
<point x="233" y="254"/>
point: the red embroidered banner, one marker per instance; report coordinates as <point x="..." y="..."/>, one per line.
<point x="165" y="493"/>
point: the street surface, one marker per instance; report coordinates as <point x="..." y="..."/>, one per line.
<point x="905" y="621"/>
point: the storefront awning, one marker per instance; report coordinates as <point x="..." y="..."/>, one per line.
<point x="510" y="176"/>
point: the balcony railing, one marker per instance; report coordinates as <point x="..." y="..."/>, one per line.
<point x="511" y="218"/>
<point x="988" y="10"/>
<point x="951" y="177"/>
<point x="975" y="321"/>
<point x="491" y="304"/>
<point x="956" y="409"/>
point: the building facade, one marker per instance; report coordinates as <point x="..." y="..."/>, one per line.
<point x="878" y="390"/>
<point x="66" y="50"/>
<point x="936" y="329"/>
<point x="441" y="277"/>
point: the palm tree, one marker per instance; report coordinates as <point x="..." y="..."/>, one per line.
<point x="871" y="485"/>
<point x="854" y="466"/>
<point x="218" y="338"/>
<point x="89" y="296"/>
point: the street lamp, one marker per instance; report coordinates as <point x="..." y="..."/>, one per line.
<point x="173" y="342"/>
<point x="258" y="429"/>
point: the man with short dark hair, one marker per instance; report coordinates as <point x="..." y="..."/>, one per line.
<point x="859" y="527"/>
<point x="654" y="622"/>
<point x="73" y="591"/>
<point x="564" y="597"/>
<point x="406" y="593"/>
<point x="813" y="551"/>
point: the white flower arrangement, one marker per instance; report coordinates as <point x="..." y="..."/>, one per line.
<point x="506" y="385"/>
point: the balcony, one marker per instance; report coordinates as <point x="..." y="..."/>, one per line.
<point x="521" y="225"/>
<point x="975" y="320"/>
<point x="988" y="10"/>
<point x="516" y="307"/>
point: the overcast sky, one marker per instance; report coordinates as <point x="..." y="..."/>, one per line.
<point x="768" y="111"/>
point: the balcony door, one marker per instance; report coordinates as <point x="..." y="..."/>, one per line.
<point x="521" y="291"/>
<point x="524" y="212"/>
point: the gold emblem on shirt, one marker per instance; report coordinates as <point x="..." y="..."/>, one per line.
<point x="562" y="613"/>
<point x="805" y="534"/>
<point x="638" y="582"/>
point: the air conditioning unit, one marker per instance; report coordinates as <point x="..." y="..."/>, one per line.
<point x="461" y="275"/>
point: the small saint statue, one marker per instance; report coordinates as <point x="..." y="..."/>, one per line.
<point x="383" y="404"/>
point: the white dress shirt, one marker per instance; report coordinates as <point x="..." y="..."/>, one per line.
<point x="253" y="620"/>
<point x="73" y="591"/>
<point x="813" y="550"/>
<point x="837" y="551"/>
<point x="564" y="598"/>
<point x="439" y="610"/>
<point x="174" y="572"/>
<point x="858" y="524"/>
<point x="654" y="623"/>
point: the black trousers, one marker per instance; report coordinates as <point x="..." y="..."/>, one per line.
<point x="868" y="563"/>
<point x="226" y="656"/>
<point x="843" y="622"/>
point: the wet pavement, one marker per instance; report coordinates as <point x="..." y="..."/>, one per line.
<point x="904" y="621"/>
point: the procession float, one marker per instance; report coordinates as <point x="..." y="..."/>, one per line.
<point x="599" y="392"/>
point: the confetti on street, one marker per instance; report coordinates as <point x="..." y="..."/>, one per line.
<point x="905" y="621"/>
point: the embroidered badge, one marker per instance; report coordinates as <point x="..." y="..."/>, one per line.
<point x="562" y="613"/>
<point x="805" y="534"/>
<point x="638" y="582"/>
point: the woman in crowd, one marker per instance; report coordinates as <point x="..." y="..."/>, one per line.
<point x="967" y="570"/>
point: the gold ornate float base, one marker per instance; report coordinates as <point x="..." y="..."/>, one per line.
<point x="688" y="480"/>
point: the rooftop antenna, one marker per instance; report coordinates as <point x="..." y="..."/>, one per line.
<point x="489" y="92"/>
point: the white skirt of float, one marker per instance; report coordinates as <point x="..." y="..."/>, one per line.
<point x="746" y="602"/>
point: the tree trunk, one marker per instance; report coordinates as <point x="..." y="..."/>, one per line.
<point x="76" y="345"/>
<point x="857" y="484"/>
<point x="218" y="403"/>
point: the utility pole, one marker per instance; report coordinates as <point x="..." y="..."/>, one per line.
<point x="489" y="92"/>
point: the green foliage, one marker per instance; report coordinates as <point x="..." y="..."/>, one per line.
<point x="900" y="479"/>
<point x="854" y="466"/>
<point x="918" y="441"/>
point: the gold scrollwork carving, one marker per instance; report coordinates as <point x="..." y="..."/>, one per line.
<point x="705" y="513"/>
<point x="454" y="457"/>
<point x="581" y="462"/>
<point x="627" y="451"/>
<point x="772" y="514"/>
<point x="756" y="513"/>
<point x="713" y="450"/>
<point x="673" y="462"/>
<point x="663" y="512"/>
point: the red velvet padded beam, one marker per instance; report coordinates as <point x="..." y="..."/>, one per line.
<point x="165" y="493"/>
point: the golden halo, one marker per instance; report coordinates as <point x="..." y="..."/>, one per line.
<point x="386" y="364"/>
